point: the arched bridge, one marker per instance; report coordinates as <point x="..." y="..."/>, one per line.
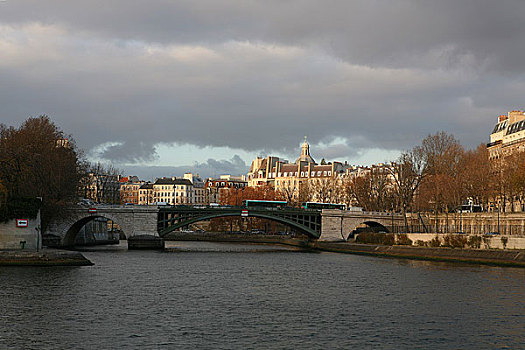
<point x="159" y="221"/>
<point x="305" y="221"/>
<point x="133" y="220"/>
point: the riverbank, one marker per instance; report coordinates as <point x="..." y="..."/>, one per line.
<point x="44" y="257"/>
<point x="495" y="257"/>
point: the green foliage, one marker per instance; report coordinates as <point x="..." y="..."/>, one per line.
<point x="474" y="242"/>
<point x="376" y="238"/>
<point x="402" y="239"/>
<point x="20" y="208"/>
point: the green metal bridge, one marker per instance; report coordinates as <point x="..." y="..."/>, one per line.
<point x="307" y="221"/>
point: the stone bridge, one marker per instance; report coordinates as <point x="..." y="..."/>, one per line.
<point x="329" y="225"/>
<point x="338" y="225"/>
<point x="133" y="220"/>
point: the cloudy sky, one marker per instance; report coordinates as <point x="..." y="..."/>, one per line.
<point x="160" y="87"/>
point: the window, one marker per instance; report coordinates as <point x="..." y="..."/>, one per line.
<point x="313" y="173"/>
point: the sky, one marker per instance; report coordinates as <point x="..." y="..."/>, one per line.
<point x="158" y="88"/>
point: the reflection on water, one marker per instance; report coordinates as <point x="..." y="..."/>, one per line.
<point x="229" y="296"/>
<point x="187" y="246"/>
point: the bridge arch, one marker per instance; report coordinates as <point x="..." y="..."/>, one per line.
<point x="368" y="226"/>
<point x="73" y="228"/>
<point x="312" y="232"/>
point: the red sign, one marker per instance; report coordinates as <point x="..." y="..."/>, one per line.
<point x="92" y="210"/>
<point x="244" y="213"/>
<point x="22" y="222"/>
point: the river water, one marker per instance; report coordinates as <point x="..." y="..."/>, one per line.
<point x="227" y="296"/>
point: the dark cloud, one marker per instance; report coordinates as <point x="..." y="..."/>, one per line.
<point x="210" y="168"/>
<point x="260" y="75"/>
<point x="130" y="152"/>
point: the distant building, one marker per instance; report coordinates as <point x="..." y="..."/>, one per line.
<point x="101" y="188"/>
<point x="199" y="189"/>
<point x="508" y="136"/>
<point x="216" y="188"/>
<point x="129" y="189"/>
<point x="173" y="191"/>
<point x="146" y="196"/>
<point x="288" y="177"/>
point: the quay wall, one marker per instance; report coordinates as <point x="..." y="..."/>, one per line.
<point x="515" y="258"/>
<point x="488" y="242"/>
<point x="20" y="238"/>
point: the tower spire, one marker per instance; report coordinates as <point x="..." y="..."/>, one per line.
<point x="305" y="153"/>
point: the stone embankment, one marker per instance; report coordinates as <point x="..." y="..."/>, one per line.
<point x="498" y="257"/>
<point x="477" y="256"/>
<point x="45" y="257"/>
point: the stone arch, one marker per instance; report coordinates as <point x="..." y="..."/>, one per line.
<point x="73" y="227"/>
<point x="369" y="226"/>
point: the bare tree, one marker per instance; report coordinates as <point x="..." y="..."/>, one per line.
<point x="477" y="176"/>
<point x="100" y="183"/>
<point x="39" y="160"/>
<point x="442" y="157"/>
<point x="408" y="173"/>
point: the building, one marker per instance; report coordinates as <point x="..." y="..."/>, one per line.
<point x="199" y="189"/>
<point x="508" y="135"/>
<point x="146" y="196"/>
<point x="101" y="188"/>
<point x="172" y="191"/>
<point x="216" y="188"/>
<point x="507" y="138"/>
<point x="288" y="177"/>
<point x="129" y="190"/>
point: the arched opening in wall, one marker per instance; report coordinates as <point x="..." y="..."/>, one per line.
<point x="368" y="227"/>
<point x="93" y="230"/>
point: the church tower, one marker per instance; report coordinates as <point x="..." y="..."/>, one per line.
<point x="305" y="154"/>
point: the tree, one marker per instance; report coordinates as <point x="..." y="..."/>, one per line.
<point x="441" y="154"/>
<point x="38" y="160"/>
<point x="477" y="176"/>
<point x="100" y="183"/>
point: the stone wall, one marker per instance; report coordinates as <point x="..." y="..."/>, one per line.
<point x="489" y="242"/>
<point x="471" y="223"/>
<point x="133" y="220"/>
<point x="337" y="225"/>
<point x="12" y="237"/>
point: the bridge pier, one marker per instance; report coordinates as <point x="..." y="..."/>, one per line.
<point x="144" y="242"/>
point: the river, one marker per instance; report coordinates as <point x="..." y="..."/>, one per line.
<point x="228" y="296"/>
